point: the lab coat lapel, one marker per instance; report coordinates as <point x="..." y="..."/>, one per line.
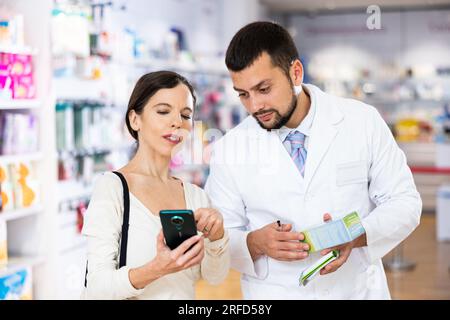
<point x="278" y="159"/>
<point x="324" y="129"/>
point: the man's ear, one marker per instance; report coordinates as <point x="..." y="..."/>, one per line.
<point x="297" y="72"/>
<point x="134" y="120"/>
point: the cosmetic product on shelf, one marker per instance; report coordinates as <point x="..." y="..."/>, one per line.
<point x="3" y="244"/>
<point x="20" y="187"/>
<point x="6" y="188"/>
<point x="16" y="284"/>
<point x="18" y="133"/>
<point x="16" y="76"/>
<point x="25" y="183"/>
<point x="12" y="31"/>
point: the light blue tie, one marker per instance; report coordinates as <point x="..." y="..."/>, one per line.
<point x="298" y="151"/>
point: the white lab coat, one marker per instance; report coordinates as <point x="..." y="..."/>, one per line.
<point x="353" y="163"/>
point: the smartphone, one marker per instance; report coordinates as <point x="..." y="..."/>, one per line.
<point x="177" y="225"/>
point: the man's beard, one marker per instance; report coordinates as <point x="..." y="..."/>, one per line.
<point x="280" y="120"/>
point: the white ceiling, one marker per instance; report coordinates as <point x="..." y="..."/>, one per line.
<point x="309" y="5"/>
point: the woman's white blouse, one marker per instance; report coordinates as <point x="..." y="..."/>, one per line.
<point x="102" y="227"/>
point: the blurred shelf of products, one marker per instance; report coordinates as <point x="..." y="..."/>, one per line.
<point x="418" y="114"/>
<point x="20" y="161"/>
<point x="63" y="99"/>
<point x="405" y="74"/>
<point x="91" y="136"/>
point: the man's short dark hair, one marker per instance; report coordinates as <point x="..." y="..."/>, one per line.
<point x="255" y="38"/>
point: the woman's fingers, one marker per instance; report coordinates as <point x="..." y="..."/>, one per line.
<point x="214" y="228"/>
<point x="160" y="243"/>
<point x="183" y="247"/>
<point x="195" y="260"/>
<point x="201" y="216"/>
<point x="191" y="253"/>
<point x="207" y="229"/>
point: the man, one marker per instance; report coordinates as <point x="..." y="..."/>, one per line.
<point x="304" y="157"/>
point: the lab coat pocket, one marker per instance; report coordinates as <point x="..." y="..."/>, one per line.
<point x="351" y="172"/>
<point x="350" y="187"/>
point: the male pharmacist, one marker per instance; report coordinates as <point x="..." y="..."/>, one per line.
<point x="303" y="157"/>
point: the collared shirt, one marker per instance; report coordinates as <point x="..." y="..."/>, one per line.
<point x="304" y="126"/>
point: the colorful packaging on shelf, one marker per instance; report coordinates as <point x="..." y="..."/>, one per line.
<point x="16" y="76"/>
<point x="18" y="133"/>
<point x="12" y="30"/>
<point x="6" y="91"/>
<point x="3" y="244"/>
<point x="23" y="87"/>
<point x="21" y="65"/>
<point x="16" y="284"/>
<point x="25" y="184"/>
<point x="6" y="191"/>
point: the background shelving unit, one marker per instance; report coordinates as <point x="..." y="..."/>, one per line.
<point x="19" y="104"/>
<point x="402" y="101"/>
<point x="30" y="231"/>
<point x="111" y="84"/>
<point x="34" y="156"/>
<point x="46" y="237"/>
<point x="21" y="252"/>
<point x="20" y="213"/>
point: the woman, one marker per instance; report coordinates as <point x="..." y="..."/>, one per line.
<point x="159" y="117"/>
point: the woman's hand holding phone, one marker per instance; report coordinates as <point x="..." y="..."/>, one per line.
<point x="186" y="255"/>
<point x="210" y="223"/>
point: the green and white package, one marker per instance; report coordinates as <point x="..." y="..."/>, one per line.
<point x="309" y="273"/>
<point x="334" y="233"/>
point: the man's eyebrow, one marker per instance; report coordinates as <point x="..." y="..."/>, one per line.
<point x="255" y="87"/>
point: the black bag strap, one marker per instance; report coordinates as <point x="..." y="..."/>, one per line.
<point x="126" y="220"/>
<point x="125" y="225"/>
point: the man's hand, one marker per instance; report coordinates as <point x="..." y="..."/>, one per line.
<point x="279" y="243"/>
<point x="344" y="250"/>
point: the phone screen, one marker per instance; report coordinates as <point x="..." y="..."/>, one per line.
<point x="177" y="225"/>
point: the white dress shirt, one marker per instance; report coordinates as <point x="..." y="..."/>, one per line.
<point x="304" y="126"/>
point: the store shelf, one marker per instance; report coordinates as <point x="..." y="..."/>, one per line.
<point x="430" y="170"/>
<point x="19" y="104"/>
<point x="36" y="156"/>
<point x="72" y="190"/>
<point x="381" y="101"/>
<point x="96" y="150"/>
<point x="20" y="213"/>
<point x="419" y="153"/>
<point x="18" y="50"/>
<point x="22" y="262"/>
<point x="177" y="66"/>
<point x="86" y="89"/>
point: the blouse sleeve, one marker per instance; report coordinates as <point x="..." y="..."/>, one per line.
<point x="102" y="227"/>
<point x="216" y="262"/>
